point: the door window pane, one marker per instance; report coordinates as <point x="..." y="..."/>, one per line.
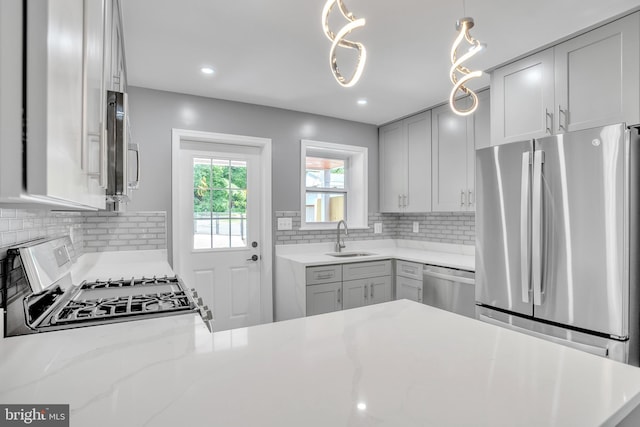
<point x="219" y="203"/>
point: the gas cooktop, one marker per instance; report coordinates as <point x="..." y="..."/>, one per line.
<point x="47" y="300"/>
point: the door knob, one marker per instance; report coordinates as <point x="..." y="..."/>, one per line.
<point x="253" y="258"/>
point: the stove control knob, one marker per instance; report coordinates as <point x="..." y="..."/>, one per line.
<point x="194" y="293"/>
<point x="206" y="313"/>
<point x="199" y="301"/>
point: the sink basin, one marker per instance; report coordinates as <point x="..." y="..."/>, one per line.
<point x="350" y="254"/>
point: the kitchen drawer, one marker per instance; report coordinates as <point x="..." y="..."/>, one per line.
<point x="363" y="270"/>
<point x="324" y="274"/>
<point x="411" y="270"/>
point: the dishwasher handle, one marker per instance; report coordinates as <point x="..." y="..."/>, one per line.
<point x="458" y="279"/>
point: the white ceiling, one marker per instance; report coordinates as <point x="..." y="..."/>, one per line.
<point x="274" y="52"/>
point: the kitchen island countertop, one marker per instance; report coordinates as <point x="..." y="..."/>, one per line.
<point x="395" y="364"/>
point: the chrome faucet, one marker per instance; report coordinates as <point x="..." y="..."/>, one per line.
<point x="339" y="244"/>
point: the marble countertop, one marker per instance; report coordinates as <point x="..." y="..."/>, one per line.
<point x="446" y="255"/>
<point x="391" y="364"/>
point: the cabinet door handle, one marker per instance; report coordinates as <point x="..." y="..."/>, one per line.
<point x="548" y="121"/>
<point x="135" y="184"/>
<point x="470" y="197"/>
<point x="371" y="290"/>
<point x="365" y="291"/>
<point x="566" y="119"/>
<point x="461" y="197"/>
<point x="339" y="292"/>
<point x="406" y="199"/>
<point x="399" y="200"/>
<point x="419" y="294"/>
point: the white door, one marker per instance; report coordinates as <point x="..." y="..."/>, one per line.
<point x="218" y="237"/>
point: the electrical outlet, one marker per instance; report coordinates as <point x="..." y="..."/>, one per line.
<point x="377" y="227"/>
<point x="284" y="224"/>
<point x="416" y="227"/>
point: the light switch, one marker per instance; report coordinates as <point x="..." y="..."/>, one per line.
<point x="284" y="224"/>
<point x="416" y="226"/>
<point x="377" y="227"/>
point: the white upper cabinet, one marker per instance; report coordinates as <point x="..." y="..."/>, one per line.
<point x="62" y="90"/>
<point x="115" y="66"/>
<point x="522" y="99"/>
<point x="453" y="163"/>
<point x="54" y="102"/>
<point x="393" y="153"/>
<point x="94" y="143"/>
<point x="405" y="157"/>
<point x="588" y="81"/>
<point x="482" y="121"/>
<point x="597" y="77"/>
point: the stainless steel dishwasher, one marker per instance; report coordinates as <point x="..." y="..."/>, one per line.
<point x="449" y="289"/>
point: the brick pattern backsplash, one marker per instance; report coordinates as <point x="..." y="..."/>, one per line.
<point x="92" y="231"/>
<point x="21" y="225"/>
<point x="124" y="231"/>
<point x="295" y="236"/>
<point x="444" y="227"/>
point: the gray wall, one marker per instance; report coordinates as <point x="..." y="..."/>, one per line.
<point x="154" y="113"/>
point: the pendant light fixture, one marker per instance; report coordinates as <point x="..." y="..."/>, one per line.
<point x="463" y="25"/>
<point x="339" y="40"/>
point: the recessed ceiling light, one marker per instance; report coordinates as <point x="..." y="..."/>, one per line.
<point x="362" y="101"/>
<point x="206" y="70"/>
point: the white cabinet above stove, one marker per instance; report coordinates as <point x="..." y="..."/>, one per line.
<point x="52" y="154"/>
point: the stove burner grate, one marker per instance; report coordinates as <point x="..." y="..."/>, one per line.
<point x="124" y="306"/>
<point x="122" y="282"/>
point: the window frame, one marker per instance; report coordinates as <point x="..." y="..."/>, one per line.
<point x="355" y="182"/>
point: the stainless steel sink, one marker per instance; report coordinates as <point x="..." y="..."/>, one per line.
<point x="350" y="254"/>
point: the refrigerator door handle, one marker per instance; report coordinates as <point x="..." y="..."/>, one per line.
<point x="525" y="278"/>
<point x="536" y="228"/>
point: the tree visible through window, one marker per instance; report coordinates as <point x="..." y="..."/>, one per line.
<point x="219" y="203"/>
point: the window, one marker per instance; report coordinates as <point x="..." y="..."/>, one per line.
<point x="326" y="189"/>
<point x="334" y="184"/>
<point x="219" y="203"/>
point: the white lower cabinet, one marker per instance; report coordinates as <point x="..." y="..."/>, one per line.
<point x="362" y="283"/>
<point x="409" y="280"/>
<point x="355" y="293"/>
<point x="408" y="289"/>
<point x="324" y="298"/>
<point x="361" y="292"/>
<point x="380" y="290"/>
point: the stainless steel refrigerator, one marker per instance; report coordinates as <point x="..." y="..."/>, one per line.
<point x="557" y="239"/>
